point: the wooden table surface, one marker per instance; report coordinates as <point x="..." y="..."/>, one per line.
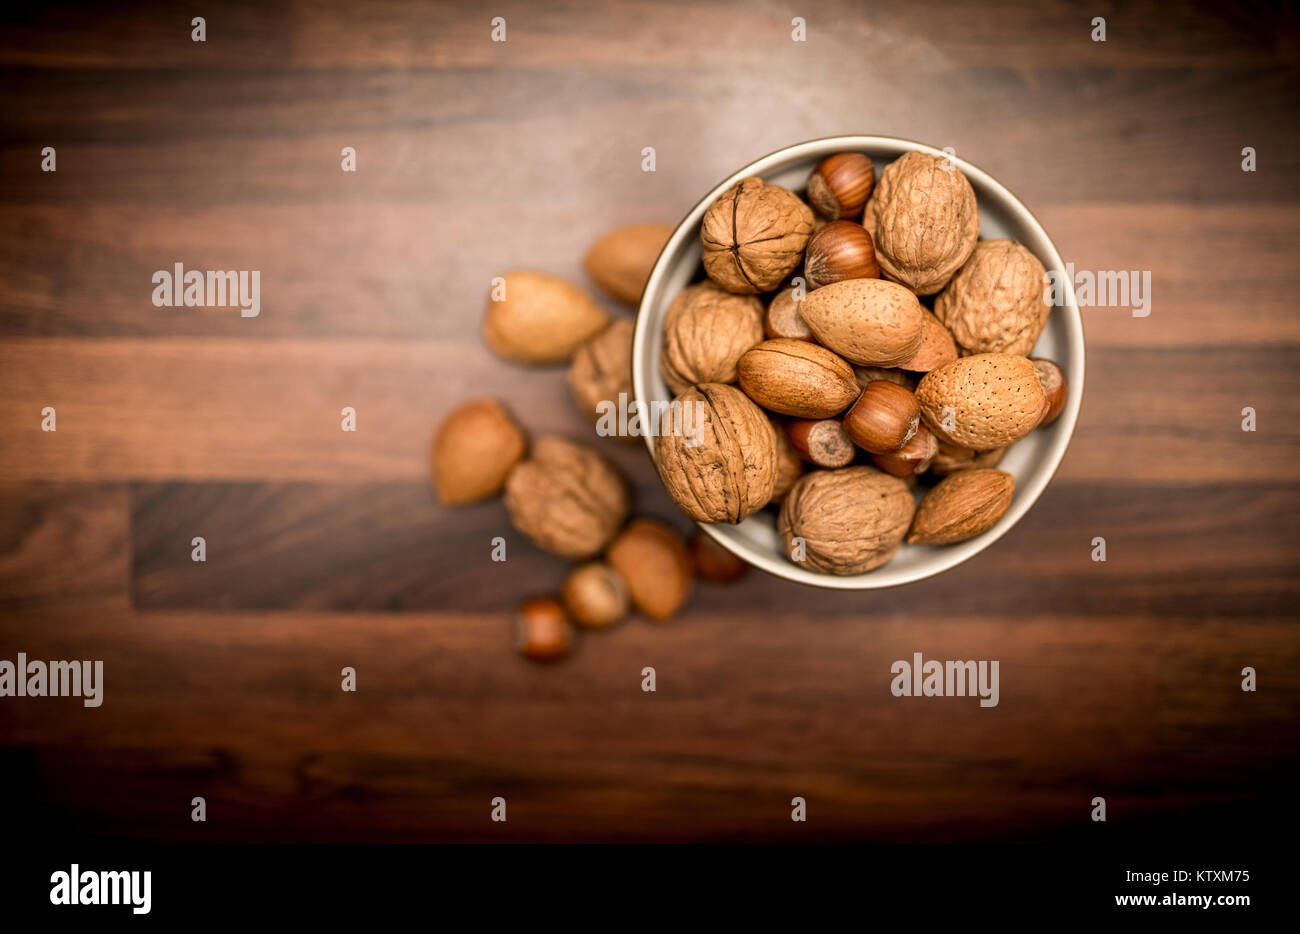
<point x="326" y="549"/>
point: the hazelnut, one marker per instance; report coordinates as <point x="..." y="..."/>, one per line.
<point x="714" y="563"/>
<point x="840" y="185"/>
<point x="567" y="498"/>
<point x="797" y="378"/>
<point x="602" y="369"/>
<point x="620" y="262"/>
<point x="840" y="250"/>
<point x="884" y="418"/>
<point x="1053" y="379"/>
<point x="653" y="560"/>
<point x="845" y="521"/>
<point x="723" y="468"/>
<point x="706" y="330"/>
<point x="474" y="450"/>
<point x="542" y="631"/>
<point x="912" y="458"/>
<point x="782" y="319"/>
<point x="821" y="442"/>
<point x="595" y="595"/>
<point x="754" y="235"/>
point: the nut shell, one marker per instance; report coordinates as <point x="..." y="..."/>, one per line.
<point x="911" y="459"/>
<point x="840" y="250"/>
<point x="841" y="184"/>
<point x="982" y="402"/>
<point x="567" y="498"/>
<point x="962" y="506"/>
<point x="797" y="378"/>
<point x="706" y="331"/>
<point x="937" y="346"/>
<point x="725" y="470"/>
<point x="924" y="220"/>
<point x="789" y="465"/>
<point x="474" y="450"/>
<point x="1054" y="387"/>
<point x="541" y="320"/>
<point x="996" y="301"/>
<point x="595" y="595"/>
<point x="866" y="321"/>
<point x="542" y="630"/>
<point x="653" y="559"/>
<point x="602" y="369"/>
<point x="714" y="563"/>
<point x="851" y="520"/>
<point x="620" y="262"/>
<point x="950" y="459"/>
<point x="754" y="235"/>
<point x="885" y="417"/>
<point x="782" y="318"/>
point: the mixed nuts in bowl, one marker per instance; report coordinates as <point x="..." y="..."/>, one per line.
<point x="881" y="386"/>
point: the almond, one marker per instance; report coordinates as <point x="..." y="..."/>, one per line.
<point x="962" y="506"/>
<point x="474" y="450"/>
<point x="798" y="378"/>
<point x="653" y="560"/>
<point x="533" y="317"/>
<point x="866" y="321"/>
<point x="937" y="346"/>
<point x="982" y="402"/>
<point x="620" y="262"/>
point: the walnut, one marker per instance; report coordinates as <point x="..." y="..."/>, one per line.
<point x="567" y="498"/>
<point x="602" y="368"/>
<point x="996" y="303"/>
<point x="754" y="235"/>
<point x="706" y="331"/>
<point x="719" y="462"/>
<point x="924" y="220"/>
<point x="847" y="521"/>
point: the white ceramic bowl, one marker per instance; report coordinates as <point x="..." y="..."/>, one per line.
<point x="1032" y="461"/>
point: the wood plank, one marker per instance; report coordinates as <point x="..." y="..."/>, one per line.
<point x="476" y="138"/>
<point x="349" y="268"/>
<point x="314" y="34"/>
<point x="63" y="546"/>
<point x="389" y="547"/>
<point x="442" y="722"/>
<point x="228" y="409"/>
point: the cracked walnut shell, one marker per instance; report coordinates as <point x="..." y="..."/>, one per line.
<point x="754" y="235"/>
<point x="996" y="303"/>
<point x="719" y="464"/>
<point x="847" y="521"/>
<point x="567" y="498"/>
<point x="706" y="331"/>
<point x="924" y="221"/>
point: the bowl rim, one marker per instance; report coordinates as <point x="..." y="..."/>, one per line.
<point x="1063" y="429"/>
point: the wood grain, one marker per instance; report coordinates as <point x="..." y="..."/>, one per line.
<point x="794" y="706"/>
<point x="208" y="408"/>
<point x="388" y="547"/>
<point x="326" y="549"/>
